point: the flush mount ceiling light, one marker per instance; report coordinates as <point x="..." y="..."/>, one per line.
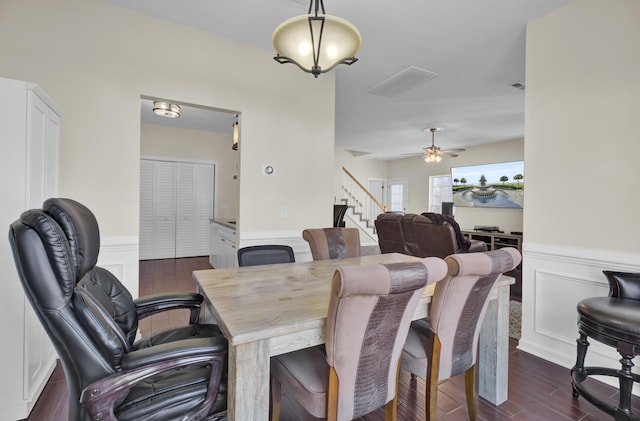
<point x="165" y="109"/>
<point x="316" y="43"/>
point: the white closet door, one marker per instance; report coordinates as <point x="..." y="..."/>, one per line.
<point x="147" y="208"/>
<point x="164" y="241"/>
<point x="203" y="207"/>
<point x="176" y="202"/>
<point x="185" y="208"/>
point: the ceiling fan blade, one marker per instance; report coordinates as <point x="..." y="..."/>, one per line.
<point x="453" y="155"/>
<point x="452" y="150"/>
<point x="412" y="154"/>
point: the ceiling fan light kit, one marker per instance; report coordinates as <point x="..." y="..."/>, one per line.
<point x="434" y="153"/>
<point x="316" y="43"/>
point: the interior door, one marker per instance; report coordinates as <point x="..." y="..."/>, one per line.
<point x="398" y="195"/>
<point x="185" y="208"/>
<point x="164" y="241"/>
<point x="376" y="188"/>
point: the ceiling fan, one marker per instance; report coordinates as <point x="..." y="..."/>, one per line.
<point x="433" y="153"/>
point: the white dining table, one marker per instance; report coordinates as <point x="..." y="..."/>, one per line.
<point x="269" y="310"/>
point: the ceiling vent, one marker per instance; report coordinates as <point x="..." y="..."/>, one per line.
<point x="402" y="81"/>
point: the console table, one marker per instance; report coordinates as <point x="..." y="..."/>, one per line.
<point x="495" y="240"/>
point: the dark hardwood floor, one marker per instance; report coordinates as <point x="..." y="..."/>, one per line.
<point x="538" y="390"/>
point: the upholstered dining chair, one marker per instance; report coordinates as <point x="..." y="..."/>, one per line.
<point x="369" y="313"/>
<point x="613" y="321"/>
<point x="92" y="322"/>
<point x="336" y="243"/>
<point x="445" y="345"/>
<point x="268" y="254"/>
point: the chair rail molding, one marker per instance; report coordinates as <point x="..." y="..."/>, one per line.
<point x="554" y="280"/>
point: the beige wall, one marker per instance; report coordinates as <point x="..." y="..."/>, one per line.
<point x="418" y="172"/>
<point x="181" y="143"/>
<point x="96" y="60"/>
<point x="582" y="108"/>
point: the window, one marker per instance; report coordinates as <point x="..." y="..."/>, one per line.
<point x="439" y="191"/>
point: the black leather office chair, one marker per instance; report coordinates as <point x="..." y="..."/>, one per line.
<point x="92" y="321"/>
<point x="613" y="321"/>
<point x="265" y="255"/>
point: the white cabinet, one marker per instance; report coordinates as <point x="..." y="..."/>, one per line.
<point x="176" y="202"/>
<point x="223" y="246"/>
<point x="29" y="142"/>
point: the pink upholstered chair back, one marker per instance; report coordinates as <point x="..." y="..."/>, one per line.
<point x="370" y="311"/>
<point x="459" y="304"/>
<point x="333" y="243"/>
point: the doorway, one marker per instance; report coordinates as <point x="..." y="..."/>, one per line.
<point x="201" y="138"/>
<point x="398" y="195"/>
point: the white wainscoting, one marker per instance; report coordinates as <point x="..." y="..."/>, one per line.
<point x="554" y="280"/>
<point x="287" y="238"/>
<point x="119" y="255"/>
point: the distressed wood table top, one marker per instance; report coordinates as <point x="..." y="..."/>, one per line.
<point x="260" y="302"/>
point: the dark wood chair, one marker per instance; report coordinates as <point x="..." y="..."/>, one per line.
<point x="613" y="321"/>
<point x="338" y="215"/>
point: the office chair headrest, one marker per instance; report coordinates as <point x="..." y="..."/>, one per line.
<point x="37" y="239"/>
<point x="81" y="228"/>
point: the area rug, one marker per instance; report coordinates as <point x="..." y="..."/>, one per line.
<point x="515" y="319"/>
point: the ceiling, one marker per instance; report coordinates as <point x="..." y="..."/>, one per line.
<point x="476" y="49"/>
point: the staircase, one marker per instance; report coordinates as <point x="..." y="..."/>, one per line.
<point x="363" y="207"/>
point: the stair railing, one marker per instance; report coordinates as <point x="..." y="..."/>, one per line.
<point x="363" y="201"/>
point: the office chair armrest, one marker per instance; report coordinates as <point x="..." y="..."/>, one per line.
<point x="99" y="398"/>
<point x="157" y="303"/>
<point x="170" y="350"/>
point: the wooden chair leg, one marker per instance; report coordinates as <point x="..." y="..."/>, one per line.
<point x="276" y="398"/>
<point x="332" y="395"/>
<point x="391" y="407"/>
<point x="433" y="371"/>
<point x="471" y="391"/>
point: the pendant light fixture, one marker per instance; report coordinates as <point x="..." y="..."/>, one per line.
<point x="166" y="109"/>
<point x="316" y="43"/>
<point x="235" y="134"/>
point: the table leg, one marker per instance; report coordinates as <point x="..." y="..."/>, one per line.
<point x="493" y="358"/>
<point x="248" y="382"/>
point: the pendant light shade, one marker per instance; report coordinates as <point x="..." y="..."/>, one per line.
<point x="316" y="43"/>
